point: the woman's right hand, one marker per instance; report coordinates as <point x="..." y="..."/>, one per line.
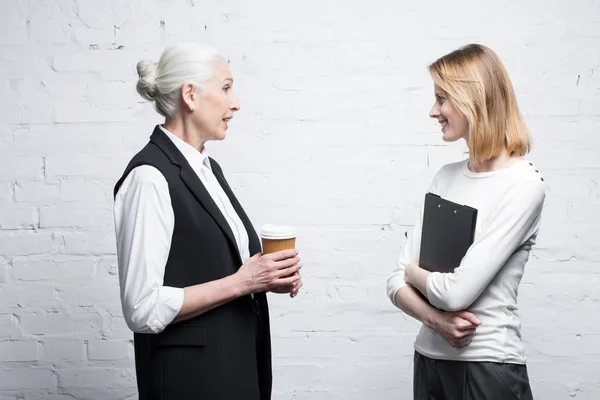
<point x="263" y="272"/>
<point x="457" y="328"/>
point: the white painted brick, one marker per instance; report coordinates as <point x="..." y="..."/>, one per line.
<point x="87" y="112"/>
<point x="107" y="267"/>
<point x="46" y="268"/>
<point x="25" y="89"/>
<point x="562" y="54"/>
<point x="135" y="135"/>
<point x="84" y="243"/>
<point x="37" y="297"/>
<point x="52" y="139"/>
<point x="573" y="132"/>
<point x="376" y="378"/>
<point x="39" y="192"/>
<point x="23" y="58"/>
<point x="339" y="215"/>
<point x="25" y="377"/>
<point x="12" y="113"/>
<point x="83" y="190"/>
<point x="27" y="242"/>
<point x="19" y="350"/>
<point x="13" y="29"/>
<point x="10" y="327"/>
<point x="101" y="296"/>
<point x="20" y="167"/>
<point x="97" y="383"/>
<point x="59" y="323"/>
<point x="108" y="350"/>
<point x="115" y="13"/>
<point x="45" y="396"/>
<point x="310" y="371"/>
<point x="582" y="212"/>
<point x="6" y="192"/>
<point x="313" y="347"/>
<point x="585" y="344"/>
<point x="19" y="217"/>
<point x="80" y="166"/>
<point x="34" y="108"/>
<point x="535" y="104"/>
<point x="590" y="106"/>
<point x="263" y="164"/>
<point x="110" y="64"/>
<point x="148" y="33"/>
<point x="60" y="87"/>
<point x="37" y="114"/>
<point x="577" y="185"/>
<point x="59" y="17"/>
<point x="406" y="215"/>
<point x="67" y="293"/>
<point x="6" y="133"/>
<point x="3" y="269"/>
<point x="91" y="37"/>
<point x="116" y="328"/>
<point x="116" y="95"/>
<point x="67" y="215"/>
<point x="63" y="349"/>
<point x="43" y="324"/>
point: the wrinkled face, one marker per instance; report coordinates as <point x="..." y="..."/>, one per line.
<point x="454" y="125"/>
<point x="215" y="106"/>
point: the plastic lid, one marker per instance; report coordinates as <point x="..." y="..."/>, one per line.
<point x="271" y="231"/>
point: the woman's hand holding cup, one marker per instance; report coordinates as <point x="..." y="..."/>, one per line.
<point x="276" y="238"/>
<point x="277" y="272"/>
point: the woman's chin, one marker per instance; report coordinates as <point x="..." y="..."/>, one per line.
<point x="220" y="135"/>
<point x="449" y="138"/>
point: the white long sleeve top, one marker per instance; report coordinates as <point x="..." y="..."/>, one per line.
<point x="509" y="204"/>
<point x="144" y="224"/>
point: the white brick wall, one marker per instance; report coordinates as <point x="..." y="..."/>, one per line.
<point x="333" y="137"/>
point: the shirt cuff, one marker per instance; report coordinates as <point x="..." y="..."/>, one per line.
<point x="394" y="284"/>
<point x="168" y="305"/>
<point x="431" y="292"/>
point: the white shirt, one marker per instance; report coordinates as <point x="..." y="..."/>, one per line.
<point x="144" y="223"/>
<point x="509" y="204"/>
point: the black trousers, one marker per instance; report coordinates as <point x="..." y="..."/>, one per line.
<point x="462" y="380"/>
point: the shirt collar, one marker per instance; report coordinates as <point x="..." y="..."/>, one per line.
<point x="188" y="151"/>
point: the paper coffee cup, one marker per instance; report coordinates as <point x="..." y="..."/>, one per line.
<point x="277" y="237"/>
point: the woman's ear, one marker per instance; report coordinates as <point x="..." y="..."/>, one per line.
<point x="189" y="96"/>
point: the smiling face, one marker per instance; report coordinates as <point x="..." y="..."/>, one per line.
<point x="454" y="125"/>
<point x="214" y="108"/>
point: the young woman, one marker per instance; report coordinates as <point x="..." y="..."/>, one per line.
<point x="469" y="346"/>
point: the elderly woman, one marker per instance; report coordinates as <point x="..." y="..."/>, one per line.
<point x="192" y="275"/>
<point x="469" y="346"/>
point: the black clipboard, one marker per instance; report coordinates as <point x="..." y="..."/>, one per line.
<point x="448" y="232"/>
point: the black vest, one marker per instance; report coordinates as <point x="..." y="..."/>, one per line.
<point x="226" y="352"/>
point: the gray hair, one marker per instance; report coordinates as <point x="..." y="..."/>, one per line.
<point x="179" y="64"/>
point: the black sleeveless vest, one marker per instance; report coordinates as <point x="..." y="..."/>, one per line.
<point x="226" y="352"/>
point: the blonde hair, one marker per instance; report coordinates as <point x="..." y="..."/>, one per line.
<point x="161" y="81"/>
<point x="477" y="84"/>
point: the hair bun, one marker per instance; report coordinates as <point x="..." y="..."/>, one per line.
<point x="146" y="86"/>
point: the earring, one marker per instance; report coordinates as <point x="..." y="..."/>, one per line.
<point x="193" y="108"/>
